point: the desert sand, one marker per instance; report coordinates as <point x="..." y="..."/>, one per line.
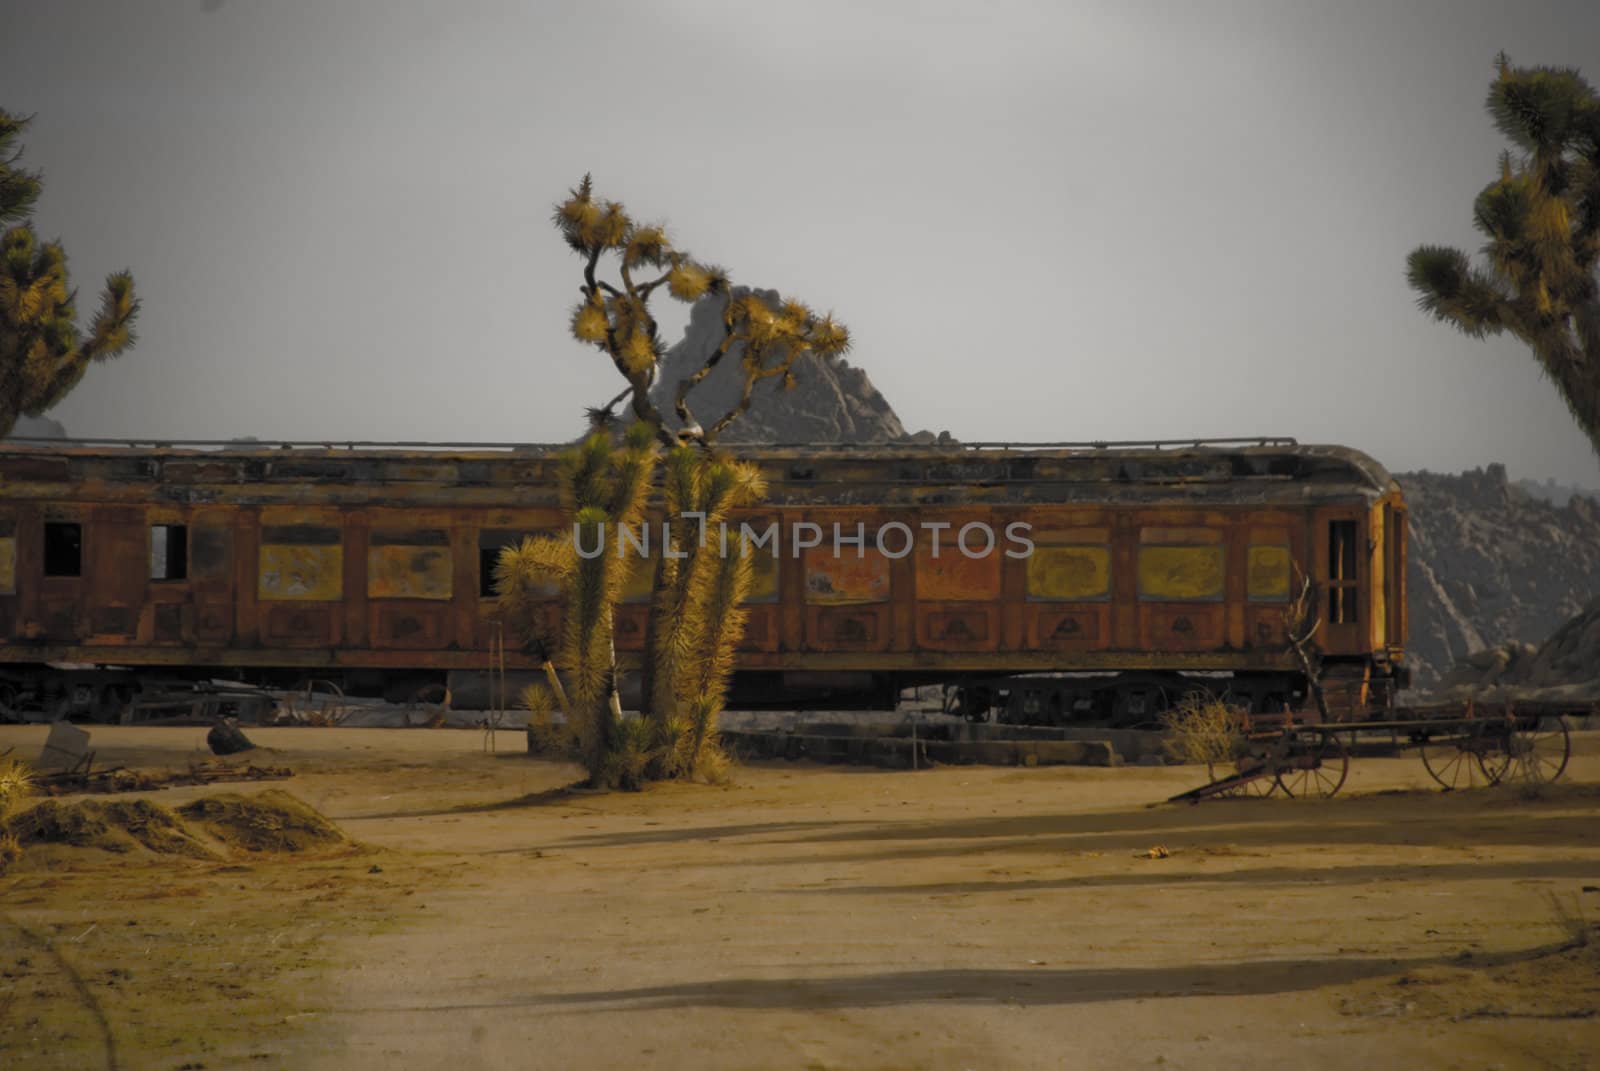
<point x="812" y="917"/>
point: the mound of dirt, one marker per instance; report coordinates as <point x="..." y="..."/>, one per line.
<point x="271" y="821"/>
<point x="117" y="826"/>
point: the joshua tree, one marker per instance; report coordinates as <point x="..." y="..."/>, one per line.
<point x="43" y="354"/>
<point x="695" y="620"/>
<point x="1542" y="221"/>
<point x="602" y="488"/>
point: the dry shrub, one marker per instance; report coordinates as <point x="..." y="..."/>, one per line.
<point x="119" y="826"/>
<point x="713" y="765"/>
<point x="270" y="821"/>
<point x="1204" y="730"/>
<point x="16" y="784"/>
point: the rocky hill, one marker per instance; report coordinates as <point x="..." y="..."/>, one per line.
<point x="830" y="402"/>
<point x="1492" y="565"/>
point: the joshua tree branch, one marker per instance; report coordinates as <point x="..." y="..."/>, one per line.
<point x="688" y="383"/>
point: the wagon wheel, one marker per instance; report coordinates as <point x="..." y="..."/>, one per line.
<point x="1257" y="788"/>
<point x="1468" y="761"/>
<point x="1314" y="767"/>
<point x="1541" y="749"/>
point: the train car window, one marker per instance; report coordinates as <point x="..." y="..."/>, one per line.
<point x="63" y="548"/>
<point x="169" y="552"/>
<point x="487" y="558"/>
<point x="1343" y="590"/>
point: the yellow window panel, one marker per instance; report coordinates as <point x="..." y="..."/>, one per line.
<point x="1181" y="574"/>
<point x="8" y="565"/>
<point x="301" y="573"/>
<point x="1268" y="571"/>
<point x="1069" y="574"/>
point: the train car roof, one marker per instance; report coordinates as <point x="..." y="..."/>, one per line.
<point x="1219" y="471"/>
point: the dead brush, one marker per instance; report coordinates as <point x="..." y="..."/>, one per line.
<point x="1202" y="729"/>
<point x="16" y="785"/>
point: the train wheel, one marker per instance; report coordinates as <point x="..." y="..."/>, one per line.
<point x="1541" y="750"/>
<point x="1314" y="767"/>
<point x="10" y="702"/>
<point x="1469" y="761"/>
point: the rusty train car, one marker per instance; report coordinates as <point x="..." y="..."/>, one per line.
<point x="1123" y="573"/>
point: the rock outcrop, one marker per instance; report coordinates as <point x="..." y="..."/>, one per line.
<point x="1492" y="568"/>
<point x="28" y="427"/>
<point x="1566" y="666"/>
<point x="831" y="402"/>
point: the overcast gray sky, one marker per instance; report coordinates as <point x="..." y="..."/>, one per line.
<point x="1041" y="221"/>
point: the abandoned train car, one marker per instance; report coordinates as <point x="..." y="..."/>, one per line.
<point x="1125" y="574"/>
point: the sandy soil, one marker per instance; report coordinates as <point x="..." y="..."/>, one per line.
<point x="810" y="917"/>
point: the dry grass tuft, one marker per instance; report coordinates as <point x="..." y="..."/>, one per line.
<point x="16" y="784"/>
<point x="1204" y="730"/>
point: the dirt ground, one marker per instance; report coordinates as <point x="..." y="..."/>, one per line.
<point x="812" y="917"/>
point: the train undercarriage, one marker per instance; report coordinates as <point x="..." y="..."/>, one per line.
<point x="1131" y="699"/>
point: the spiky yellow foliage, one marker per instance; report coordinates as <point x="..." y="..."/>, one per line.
<point x="795" y="315"/>
<point x="638" y="353"/>
<point x="829" y="338"/>
<point x="16" y="784"/>
<point x="688" y="281"/>
<point x="723" y="619"/>
<point x="602" y="486"/>
<point x="698" y="619"/>
<point x="589" y="323"/>
<point x="43" y="352"/>
<point x="647" y="246"/>
<point x="546" y="736"/>
<point x="631" y="754"/>
<point x="611" y="229"/>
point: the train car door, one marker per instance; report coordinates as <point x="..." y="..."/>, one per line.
<point x="117" y="573"/>
<point x="1340" y="557"/>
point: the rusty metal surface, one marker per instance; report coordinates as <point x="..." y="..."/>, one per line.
<point x="1147" y="557"/>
